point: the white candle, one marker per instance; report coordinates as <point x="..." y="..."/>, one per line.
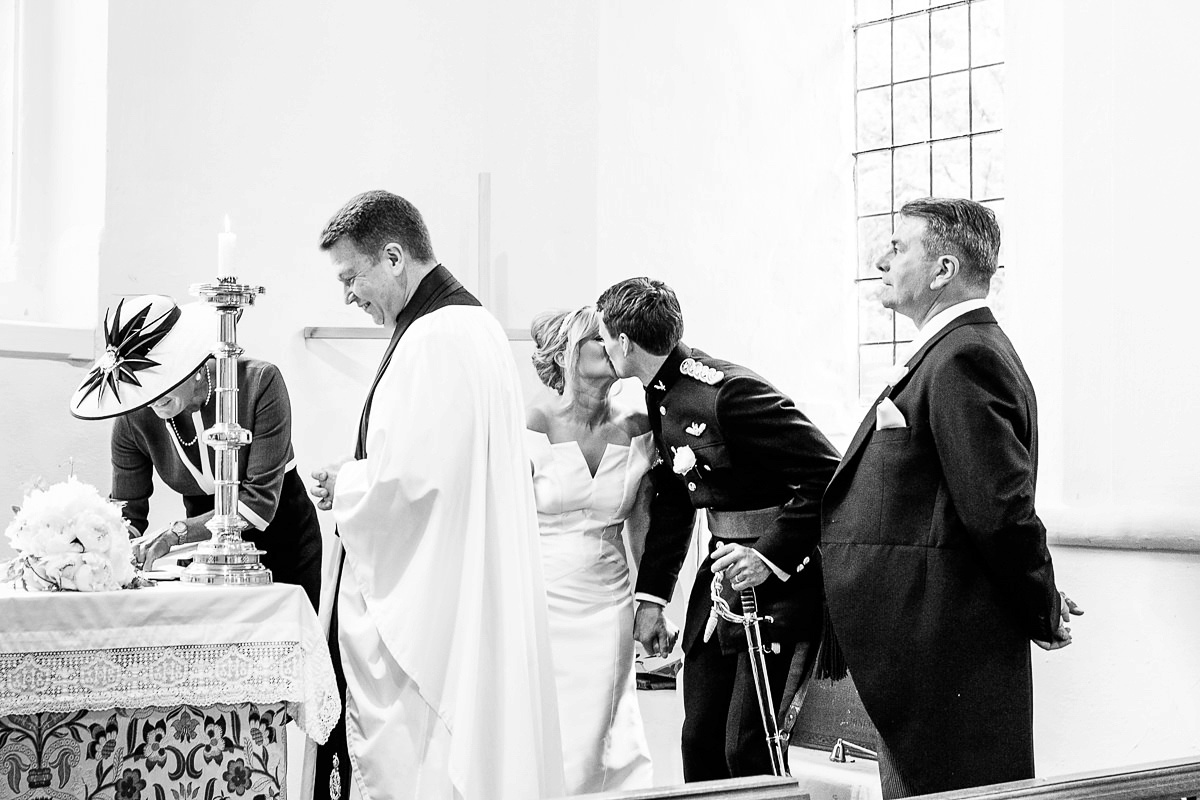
<point x="226" y="243"/>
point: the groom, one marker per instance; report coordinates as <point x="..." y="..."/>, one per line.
<point x="936" y="569"/>
<point x="734" y="445"/>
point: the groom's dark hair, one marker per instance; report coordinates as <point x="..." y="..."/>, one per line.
<point x="645" y="310"/>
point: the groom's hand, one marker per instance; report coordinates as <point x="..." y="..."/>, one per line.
<point x="652" y="628"/>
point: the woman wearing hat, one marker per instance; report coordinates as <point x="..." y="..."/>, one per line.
<point x="156" y="379"/>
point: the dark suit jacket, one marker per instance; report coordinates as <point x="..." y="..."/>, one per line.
<point x="936" y="567"/>
<point x="754" y="449"/>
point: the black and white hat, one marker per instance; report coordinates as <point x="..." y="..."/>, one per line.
<point x="152" y="345"/>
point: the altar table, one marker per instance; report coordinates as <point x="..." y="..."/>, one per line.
<point x="174" y="691"/>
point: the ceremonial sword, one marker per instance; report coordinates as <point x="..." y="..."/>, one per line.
<point x="750" y="619"/>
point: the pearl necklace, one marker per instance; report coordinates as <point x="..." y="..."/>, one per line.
<point x="207" y="397"/>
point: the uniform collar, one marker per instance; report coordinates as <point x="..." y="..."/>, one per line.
<point x="668" y="374"/>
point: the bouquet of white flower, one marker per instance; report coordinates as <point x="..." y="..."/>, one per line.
<point x="68" y="537"/>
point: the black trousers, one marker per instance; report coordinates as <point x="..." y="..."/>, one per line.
<point x="723" y="731"/>
<point x="892" y="783"/>
<point x="332" y="780"/>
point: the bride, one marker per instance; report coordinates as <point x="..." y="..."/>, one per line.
<point x="590" y="463"/>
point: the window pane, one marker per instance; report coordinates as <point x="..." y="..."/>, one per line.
<point x="951" y="105"/>
<point x="948" y="31"/>
<point x="874" y="234"/>
<point x="871" y="10"/>
<point x="874" y="118"/>
<point x="873" y="179"/>
<point x="997" y="207"/>
<point x="952" y="168"/>
<point x="987" y="98"/>
<point x="987" y="32"/>
<point x="874" y="321"/>
<point x="874" y="46"/>
<point x="912" y="173"/>
<point x="905" y="6"/>
<point x="987" y="166"/>
<point x="997" y="298"/>
<point x="910" y="57"/>
<point x="910" y="111"/>
<point x="874" y="367"/>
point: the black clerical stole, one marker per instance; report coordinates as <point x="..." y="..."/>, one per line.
<point x="437" y="290"/>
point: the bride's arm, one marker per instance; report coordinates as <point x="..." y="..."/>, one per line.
<point x="637" y="524"/>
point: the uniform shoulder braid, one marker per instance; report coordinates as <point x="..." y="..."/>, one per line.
<point x="701" y="372"/>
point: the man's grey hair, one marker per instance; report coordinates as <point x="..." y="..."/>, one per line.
<point x="962" y="228"/>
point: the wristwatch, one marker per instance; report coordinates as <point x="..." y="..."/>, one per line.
<point x="179" y="528"/>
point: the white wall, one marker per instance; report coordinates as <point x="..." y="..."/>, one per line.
<point x="706" y="144"/>
<point x="725" y="171"/>
<point x="1125" y="691"/>
<point x="277" y="113"/>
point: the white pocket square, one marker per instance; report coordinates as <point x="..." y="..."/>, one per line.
<point x="888" y="416"/>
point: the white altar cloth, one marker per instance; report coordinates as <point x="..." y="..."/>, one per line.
<point x="165" y="645"/>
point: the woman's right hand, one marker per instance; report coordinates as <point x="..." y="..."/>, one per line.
<point x="147" y="551"/>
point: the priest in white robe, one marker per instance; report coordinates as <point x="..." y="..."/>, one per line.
<point x="440" y="613"/>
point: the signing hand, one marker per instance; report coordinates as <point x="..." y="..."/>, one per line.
<point x="1062" y="631"/>
<point x="326" y="482"/>
<point x="148" y="550"/>
<point x="743" y="567"/>
<point x="652" y="628"/>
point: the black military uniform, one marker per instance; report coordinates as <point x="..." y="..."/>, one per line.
<point x="760" y="468"/>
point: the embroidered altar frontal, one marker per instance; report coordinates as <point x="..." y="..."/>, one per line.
<point x="182" y="753"/>
<point x="173" y="692"/>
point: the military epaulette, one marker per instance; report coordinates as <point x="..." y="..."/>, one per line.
<point x="705" y="374"/>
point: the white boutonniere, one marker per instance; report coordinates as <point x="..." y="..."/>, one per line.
<point x="897" y="374"/>
<point x="696" y="428"/>
<point x="685" y="460"/>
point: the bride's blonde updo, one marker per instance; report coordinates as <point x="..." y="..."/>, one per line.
<point x="563" y="332"/>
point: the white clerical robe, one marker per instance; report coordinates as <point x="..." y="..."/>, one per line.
<point x="442" y="608"/>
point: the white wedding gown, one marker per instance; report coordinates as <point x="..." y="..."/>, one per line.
<point x="591" y="608"/>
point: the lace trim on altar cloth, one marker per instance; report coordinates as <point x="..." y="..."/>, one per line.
<point x="201" y="675"/>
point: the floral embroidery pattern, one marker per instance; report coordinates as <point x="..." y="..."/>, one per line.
<point x="140" y="754"/>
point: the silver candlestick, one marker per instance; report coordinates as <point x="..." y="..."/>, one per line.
<point x="227" y="559"/>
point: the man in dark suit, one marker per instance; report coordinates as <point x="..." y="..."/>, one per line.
<point x="731" y="443"/>
<point x="936" y="567"/>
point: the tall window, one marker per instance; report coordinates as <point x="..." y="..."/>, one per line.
<point x="9" y="66"/>
<point x="929" y="114"/>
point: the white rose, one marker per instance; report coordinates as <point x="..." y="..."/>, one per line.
<point x="31" y="581"/>
<point x="95" y="574"/>
<point x="123" y="571"/>
<point x="685" y="460"/>
<point x="92" y="531"/>
<point x="47" y="539"/>
<point x="58" y="568"/>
